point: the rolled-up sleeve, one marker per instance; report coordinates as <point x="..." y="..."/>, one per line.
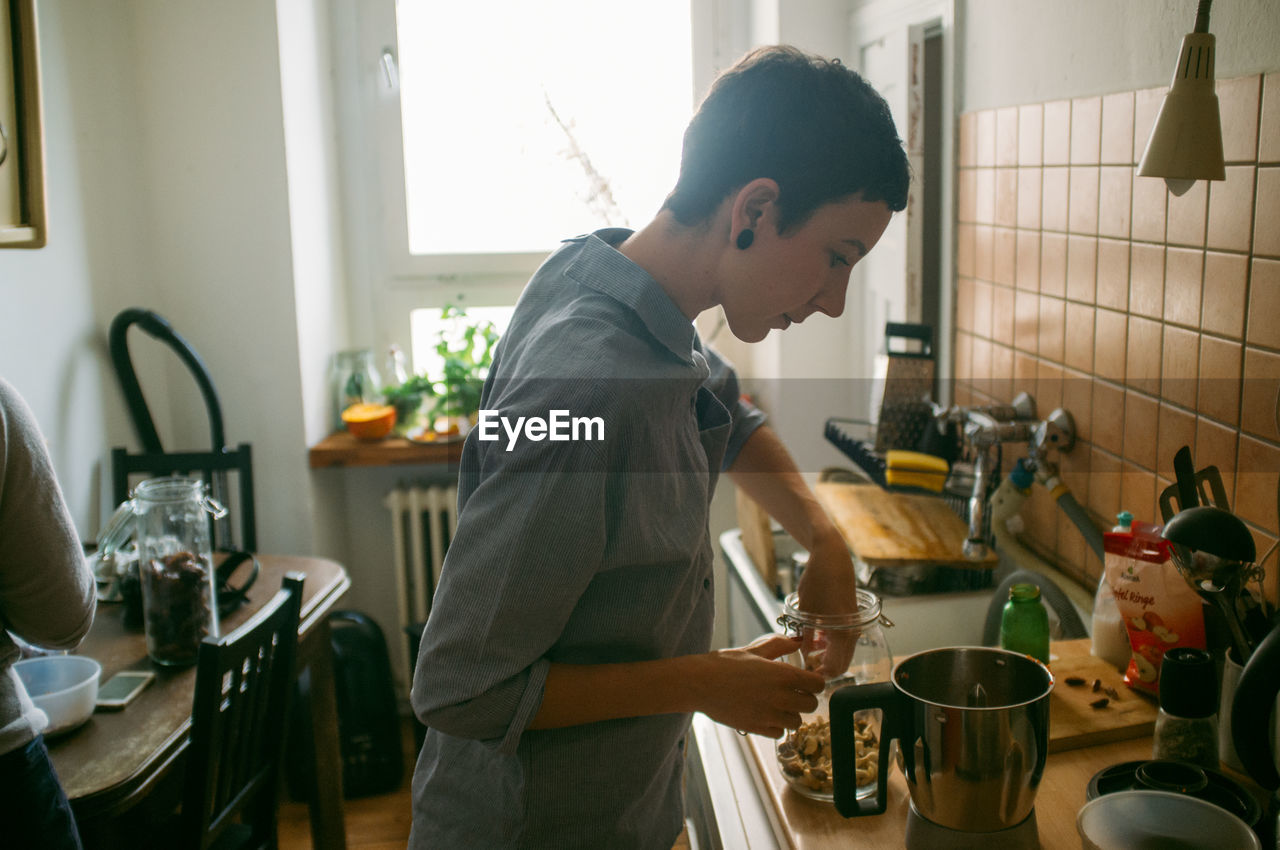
<point x="723" y="381"/>
<point x="530" y="538"/>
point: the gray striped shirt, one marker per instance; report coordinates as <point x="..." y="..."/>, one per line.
<point x="575" y="552"/>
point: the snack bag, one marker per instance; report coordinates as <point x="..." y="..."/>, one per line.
<point x="1159" y="608"/>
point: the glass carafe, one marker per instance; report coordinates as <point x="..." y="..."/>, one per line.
<point x="804" y="754"/>
<point x="169" y="518"/>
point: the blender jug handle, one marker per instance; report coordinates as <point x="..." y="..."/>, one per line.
<point x="894" y="721"/>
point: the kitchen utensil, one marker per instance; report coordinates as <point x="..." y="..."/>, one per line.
<point x="973" y="728"/>
<point x="62" y="686"/>
<point x="1179" y="778"/>
<point x="1253" y="729"/>
<point x="1184" y="469"/>
<point x="1209" y="488"/>
<point x="906" y="410"/>
<point x="1140" y="818"/>
<point x="1212" y="549"/>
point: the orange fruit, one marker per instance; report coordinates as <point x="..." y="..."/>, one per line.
<point x="369" y="421"/>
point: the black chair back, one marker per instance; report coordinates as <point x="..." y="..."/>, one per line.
<point x="244" y="681"/>
<point x="213" y="465"/>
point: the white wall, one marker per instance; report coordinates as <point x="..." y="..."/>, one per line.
<point x="1021" y="51"/>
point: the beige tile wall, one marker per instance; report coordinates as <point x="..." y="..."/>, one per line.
<point x="1154" y="319"/>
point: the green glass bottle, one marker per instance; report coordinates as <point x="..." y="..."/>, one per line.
<point x="1024" y="624"/>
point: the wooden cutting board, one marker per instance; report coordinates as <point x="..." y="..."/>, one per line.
<point x="888" y="529"/>
<point x="1073" y="722"/>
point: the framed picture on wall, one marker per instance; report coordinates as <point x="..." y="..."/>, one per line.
<point x="23" y="222"/>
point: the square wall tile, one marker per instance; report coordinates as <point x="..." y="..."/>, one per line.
<point x="1261" y="384"/>
<point x="1024" y="371"/>
<point x="1150" y="203"/>
<point x="1138" y="490"/>
<point x="1146" y="106"/>
<point x="1053" y="264"/>
<point x="1055" y="196"/>
<point x="1029" y="202"/>
<point x="1109" y="344"/>
<point x="1027" y="271"/>
<point x="1179" y="366"/>
<point x="1256" y="482"/>
<point x="1141" y="422"/>
<point x="1269" y="125"/>
<point x="1078" y="337"/>
<point x="1006" y="197"/>
<point x="981" y="308"/>
<point x="1005" y="256"/>
<point x="1117" y="129"/>
<point x="1238" y="100"/>
<point x="1048" y="389"/>
<point x="1077" y="399"/>
<point x="1146" y="280"/>
<point x="1266" y="233"/>
<point x="1082" y="201"/>
<point x="984" y="193"/>
<point x="964" y="304"/>
<point x="1002" y="309"/>
<point x="1142" y="355"/>
<point x="964" y="250"/>
<point x="1108" y="416"/>
<point x="1231" y="210"/>
<point x="968" y="140"/>
<point x="1026" y="322"/>
<point x="1030" y="134"/>
<point x="1086" y="130"/>
<point x="1052" y="318"/>
<point x="1219" y="393"/>
<point x="1182" y="272"/>
<point x="1224" y="288"/>
<point x="1115" y="197"/>
<point x="1007" y="136"/>
<point x="1082" y="268"/>
<point x="1216" y="446"/>
<point x="964" y="356"/>
<point x="982" y="364"/>
<point x="986" y="153"/>
<point x="984" y="238"/>
<point x="1057" y="132"/>
<point x="1002" y="373"/>
<point x="1264" y="304"/>
<point x="1113" y="273"/>
<point x="1177" y="428"/>
<point x="1186" y="215"/>
<point x="1104" y="483"/>
<point x="967" y="195"/>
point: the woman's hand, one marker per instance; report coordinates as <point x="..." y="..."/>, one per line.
<point x="748" y="689"/>
<point x="828" y="586"/>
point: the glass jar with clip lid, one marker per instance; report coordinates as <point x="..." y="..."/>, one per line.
<point x="849" y="649"/>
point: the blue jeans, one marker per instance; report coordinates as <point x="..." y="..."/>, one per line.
<point x="34" y="812"/>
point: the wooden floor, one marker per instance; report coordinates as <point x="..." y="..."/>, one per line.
<point x="373" y="823"/>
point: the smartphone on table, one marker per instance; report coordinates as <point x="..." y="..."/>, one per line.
<point x="122" y="688"/>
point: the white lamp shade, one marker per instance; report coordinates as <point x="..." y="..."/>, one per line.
<point x="1186" y="141"/>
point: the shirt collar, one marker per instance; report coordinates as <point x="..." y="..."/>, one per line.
<point x="600" y="266"/>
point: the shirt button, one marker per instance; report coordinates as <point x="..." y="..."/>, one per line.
<point x="706" y="584"/>
<point x="680" y="745"/>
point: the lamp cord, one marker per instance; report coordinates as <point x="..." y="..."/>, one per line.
<point x="1202" y="16"/>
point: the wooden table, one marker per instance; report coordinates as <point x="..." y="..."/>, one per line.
<point x="116" y="768"/>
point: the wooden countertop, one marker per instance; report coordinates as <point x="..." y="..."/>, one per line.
<point x="341" y="449"/>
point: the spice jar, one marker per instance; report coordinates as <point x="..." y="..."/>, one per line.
<point x="1187" y="723"/>
<point x="170" y="518"/>
<point x="804" y="754"/>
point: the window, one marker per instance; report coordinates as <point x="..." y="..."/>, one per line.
<point x="524" y="123"/>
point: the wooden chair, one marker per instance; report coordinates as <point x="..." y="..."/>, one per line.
<point x="244" y="681"/>
<point x="212" y="466"/>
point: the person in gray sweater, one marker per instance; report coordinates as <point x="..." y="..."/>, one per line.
<point x="47" y="599"/>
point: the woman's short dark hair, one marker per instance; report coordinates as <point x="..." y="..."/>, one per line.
<point x="811" y="124"/>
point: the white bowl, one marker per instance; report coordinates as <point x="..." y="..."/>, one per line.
<point x="65" y="687"/>
<point x="1136" y="820"/>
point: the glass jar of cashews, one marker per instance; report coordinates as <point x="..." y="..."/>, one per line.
<point x="849" y="649"/>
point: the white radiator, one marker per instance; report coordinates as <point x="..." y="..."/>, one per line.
<point x="423" y="521"/>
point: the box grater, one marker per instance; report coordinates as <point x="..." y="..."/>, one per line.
<point x="906" y="409"/>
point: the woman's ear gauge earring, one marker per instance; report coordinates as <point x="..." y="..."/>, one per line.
<point x="745" y="238"/>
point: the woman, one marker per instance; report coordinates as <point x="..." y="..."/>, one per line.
<point x="568" y="640"/>
<point x="47" y="599"/>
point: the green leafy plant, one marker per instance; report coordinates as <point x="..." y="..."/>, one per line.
<point x="408" y="399"/>
<point x="466" y="347"/>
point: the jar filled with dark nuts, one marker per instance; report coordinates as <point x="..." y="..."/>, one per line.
<point x="849" y="649"/>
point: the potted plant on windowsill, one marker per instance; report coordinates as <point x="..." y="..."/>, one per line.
<point x="466" y="349"/>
